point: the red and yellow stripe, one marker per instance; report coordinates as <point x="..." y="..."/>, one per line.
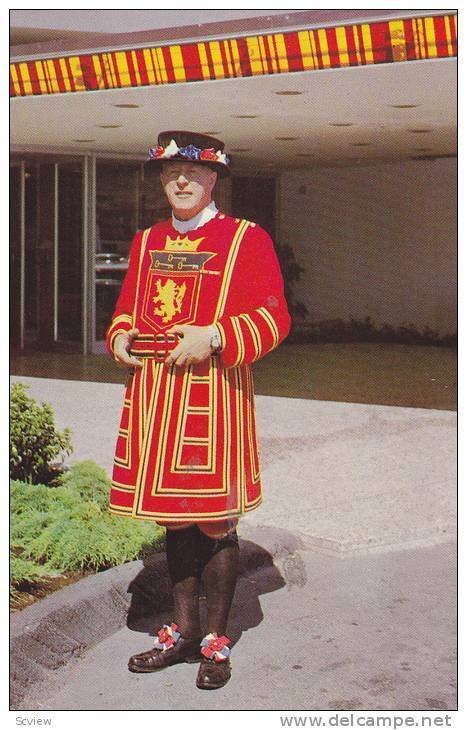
<point x="119" y="325"/>
<point x="247" y="337"/>
<point x="406" y="39"/>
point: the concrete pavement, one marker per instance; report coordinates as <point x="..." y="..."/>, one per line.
<point x="312" y="633"/>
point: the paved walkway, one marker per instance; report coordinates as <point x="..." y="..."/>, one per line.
<point x="313" y="633"/>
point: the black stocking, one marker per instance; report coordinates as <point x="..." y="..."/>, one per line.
<point x="182" y="550"/>
<point x="219" y="569"/>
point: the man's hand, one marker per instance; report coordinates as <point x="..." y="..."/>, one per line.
<point x="122" y="347"/>
<point x="193" y="348"/>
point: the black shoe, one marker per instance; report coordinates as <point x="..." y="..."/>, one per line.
<point x="212" y="674"/>
<point x="184" y="650"/>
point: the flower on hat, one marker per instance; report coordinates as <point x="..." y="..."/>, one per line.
<point x="166" y="637"/>
<point x="215" y="647"/>
<point x="221" y="157"/>
<point x="208" y="154"/>
<point x="191" y="152"/>
<point x="156" y="152"/>
<point x="171" y="149"/>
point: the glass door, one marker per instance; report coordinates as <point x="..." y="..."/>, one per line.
<point x="69" y="253"/>
<point x="47" y="252"/>
<point x="28" y="268"/>
<point x="16" y="254"/>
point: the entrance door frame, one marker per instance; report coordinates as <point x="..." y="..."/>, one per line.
<point x="29" y="157"/>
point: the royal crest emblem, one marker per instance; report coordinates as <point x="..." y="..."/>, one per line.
<point x="170" y="298"/>
<point x="173" y="282"/>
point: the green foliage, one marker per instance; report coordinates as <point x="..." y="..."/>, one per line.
<point x="34" y="440"/>
<point x="89" y="481"/>
<point x="69" y="528"/>
<point x="291" y="272"/>
<point x="24" y="573"/>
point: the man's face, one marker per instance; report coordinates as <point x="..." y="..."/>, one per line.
<point x="188" y="187"/>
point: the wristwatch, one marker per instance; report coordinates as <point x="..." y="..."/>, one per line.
<point x="215" y="342"/>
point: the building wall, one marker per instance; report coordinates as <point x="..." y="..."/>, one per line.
<point x="377" y="241"/>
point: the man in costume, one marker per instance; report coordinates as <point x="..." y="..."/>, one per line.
<point x="202" y="299"/>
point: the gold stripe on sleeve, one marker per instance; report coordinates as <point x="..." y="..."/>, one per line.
<point x="240" y="343"/>
<point x="272" y="325"/>
<point x="255" y="334"/>
<point x="222" y="335"/>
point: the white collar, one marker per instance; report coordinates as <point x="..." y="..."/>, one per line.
<point x="205" y="215"/>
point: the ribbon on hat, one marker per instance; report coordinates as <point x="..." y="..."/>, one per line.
<point x="190" y="152"/>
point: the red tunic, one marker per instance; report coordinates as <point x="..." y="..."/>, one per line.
<point x="187" y="444"/>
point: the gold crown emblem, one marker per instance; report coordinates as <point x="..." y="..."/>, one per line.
<point x="182" y="244"/>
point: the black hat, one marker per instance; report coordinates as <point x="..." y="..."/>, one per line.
<point x="191" y="147"/>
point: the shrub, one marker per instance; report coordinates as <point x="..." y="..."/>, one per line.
<point x="69" y="528"/>
<point x="24" y="574"/>
<point x="34" y="440"/>
<point x="89" y="480"/>
<point x="291" y="271"/>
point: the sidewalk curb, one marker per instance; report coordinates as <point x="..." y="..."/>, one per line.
<point x="48" y="634"/>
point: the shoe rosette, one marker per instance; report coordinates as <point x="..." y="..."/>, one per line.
<point x="167" y="636"/>
<point x="215" y="647"/>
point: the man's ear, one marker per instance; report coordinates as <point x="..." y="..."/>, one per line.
<point x="214" y="178"/>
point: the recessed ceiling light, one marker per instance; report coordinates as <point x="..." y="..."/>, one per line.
<point x="127" y="106"/>
<point x="241" y="149"/>
<point x="341" y="124"/>
<point x="84" y="140"/>
<point x="361" y="144"/>
<point x="419" y="131"/>
<point x="288" y="93"/>
<point x="403" y="106"/>
<point x="245" y="116"/>
<point x="287" y="139"/>
<point x="109" y="126"/>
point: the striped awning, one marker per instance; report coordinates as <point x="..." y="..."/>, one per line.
<point x="362" y="44"/>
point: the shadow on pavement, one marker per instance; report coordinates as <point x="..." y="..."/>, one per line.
<point x="151" y="592"/>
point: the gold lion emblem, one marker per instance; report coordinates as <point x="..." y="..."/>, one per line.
<point x="170" y="297"/>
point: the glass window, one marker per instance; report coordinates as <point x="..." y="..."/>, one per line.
<point x="15" y="254"/>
